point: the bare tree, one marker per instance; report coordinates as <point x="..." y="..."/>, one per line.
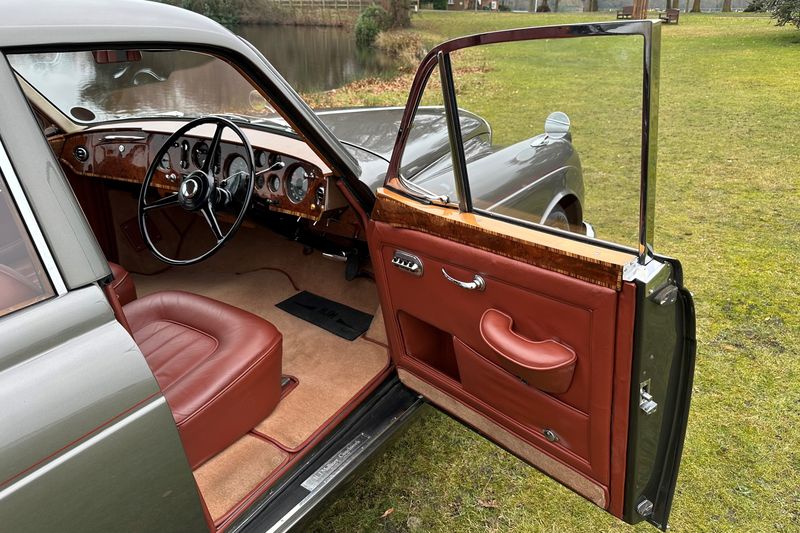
<point x="726" y="6"/>
<point x="695" y="6"/>
<point x="590" y="5"/>
<point x="639" y="9"/>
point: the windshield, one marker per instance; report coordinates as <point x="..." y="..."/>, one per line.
<point x="98" y="86"/>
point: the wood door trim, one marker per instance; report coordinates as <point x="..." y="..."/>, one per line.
<point x="580" y="260"/>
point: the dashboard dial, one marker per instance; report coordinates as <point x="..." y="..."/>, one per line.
<point x="165" y="163"/>
<point x="199" y="153"/>
<point x="274" y="183"/>
<point x="297" y="185"/>
<point x="237" y="170"/>
<point x="262" y="158"/>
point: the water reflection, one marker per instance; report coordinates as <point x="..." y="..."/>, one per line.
<point x="316" y="58"/>
<point x="191" y="84"/>
<point x="157" y="83"/>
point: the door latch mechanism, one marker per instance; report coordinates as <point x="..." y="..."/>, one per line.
<point x="646" y="402"/>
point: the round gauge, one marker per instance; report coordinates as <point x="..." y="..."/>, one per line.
<point x="297" y="185"/>
<point x="274" y="183"/>
<point x="262" y="158"/>
<point x="199" y="153"/>
<point x="273" y="158"/>
<point x="237" y="170"/>
<point x="165" y="163"/>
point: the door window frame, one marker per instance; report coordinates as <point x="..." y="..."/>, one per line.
<point x="31" y="227"/>
<point x="440" y="56"/>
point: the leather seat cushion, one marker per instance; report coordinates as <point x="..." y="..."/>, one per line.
<point x="123" y="284"/>
<point x="218" y="366"/>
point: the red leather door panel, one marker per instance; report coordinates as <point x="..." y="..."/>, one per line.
<point x="434" y="329"/>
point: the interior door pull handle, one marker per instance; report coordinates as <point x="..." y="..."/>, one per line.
<point x="477" y="283"/>
<point x="547" y="365"/>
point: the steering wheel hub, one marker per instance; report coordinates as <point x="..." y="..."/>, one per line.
<point x="195" y="190"/>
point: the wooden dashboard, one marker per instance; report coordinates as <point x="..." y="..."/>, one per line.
<point x="302" y="186"/>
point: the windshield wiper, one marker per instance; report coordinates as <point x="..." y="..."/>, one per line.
<point x="235" y="117"/>
<point x="164" y="114"/>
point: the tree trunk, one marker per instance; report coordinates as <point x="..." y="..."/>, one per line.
<point x="555" y="8"/>
<point x="398" y="13"/>
<point x="639" y="9"/>
<point x="696" y="6"/>
<point x="726" y="6"/>
<point x="668" y="4"/>
<point x="590" y="5"/>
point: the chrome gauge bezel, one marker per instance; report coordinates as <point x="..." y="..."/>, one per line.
<point x="273" y="183"/>
<point x="287" y="187"/>
<point x="232" y="185"/>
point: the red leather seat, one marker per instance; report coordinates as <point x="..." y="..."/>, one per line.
<point x="122" y="284"/>
<point x="218" y="366"/>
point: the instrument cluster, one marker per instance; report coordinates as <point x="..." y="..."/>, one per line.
<point x="282" y="183"/>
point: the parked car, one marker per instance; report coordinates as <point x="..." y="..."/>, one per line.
<point x="171" y="361"/>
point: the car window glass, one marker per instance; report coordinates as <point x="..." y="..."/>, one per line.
<point x="22" y="278"/>
<point x="584" y="165"/>
<point x="92" y="86"/>
<point x="426" y="160"/>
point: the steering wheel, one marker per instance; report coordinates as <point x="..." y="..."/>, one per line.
<point x="198" y="192"/>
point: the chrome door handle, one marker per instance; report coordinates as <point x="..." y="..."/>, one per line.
<point x="477" y="283"/>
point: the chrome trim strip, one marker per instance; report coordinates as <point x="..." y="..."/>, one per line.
<point x="31" y="224"/>
<point x="86" y="444"/>
<point x="524" y="189"/>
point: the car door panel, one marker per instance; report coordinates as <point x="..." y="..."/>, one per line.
<point x="434" y="328"/>
<point x="92" y="430"/>
<point x="573" y="353"/>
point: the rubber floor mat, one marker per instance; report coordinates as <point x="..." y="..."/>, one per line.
<point x="337" y="318"/>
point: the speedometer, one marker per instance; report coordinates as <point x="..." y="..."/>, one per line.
<point x="297" y="185"/>
<point x="237" y="169"/>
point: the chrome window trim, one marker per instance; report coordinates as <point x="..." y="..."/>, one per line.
<point x="31" y="224"/>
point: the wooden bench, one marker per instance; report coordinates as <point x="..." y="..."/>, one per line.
<point x="625" y="13"/>
<point x="669" y="16"/>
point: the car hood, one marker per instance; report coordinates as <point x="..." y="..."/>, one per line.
<point x="370" y="134"/>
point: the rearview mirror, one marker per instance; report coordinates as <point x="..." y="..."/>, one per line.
<point x="104" y="57"/>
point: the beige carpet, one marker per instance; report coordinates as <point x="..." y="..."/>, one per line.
<point x="330" y="370"/>
<point x="231" y="475"/>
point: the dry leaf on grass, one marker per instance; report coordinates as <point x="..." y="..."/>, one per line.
<point x="489" y="504"/>
<point x="387" y="512"/>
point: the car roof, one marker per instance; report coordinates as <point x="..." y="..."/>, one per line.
<point x="46" y="22"/>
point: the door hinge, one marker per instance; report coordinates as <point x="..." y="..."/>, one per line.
<point x="646" y="402"/>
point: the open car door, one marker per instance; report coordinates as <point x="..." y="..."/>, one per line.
<point x="575" y="354"/>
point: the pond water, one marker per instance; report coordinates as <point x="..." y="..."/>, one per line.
<point x="104" y="85"/>
<point x="316" y="58"/>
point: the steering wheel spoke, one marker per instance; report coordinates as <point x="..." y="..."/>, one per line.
<point x="212" y="149"/>
<point x="165" y="201"/>
<point x="198" y="193"/>
<point x="213" y="223"/>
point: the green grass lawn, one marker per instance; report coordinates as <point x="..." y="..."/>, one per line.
<point x="728" y="175"/>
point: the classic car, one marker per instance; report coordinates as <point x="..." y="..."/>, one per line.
<point x="179" y="352"/>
